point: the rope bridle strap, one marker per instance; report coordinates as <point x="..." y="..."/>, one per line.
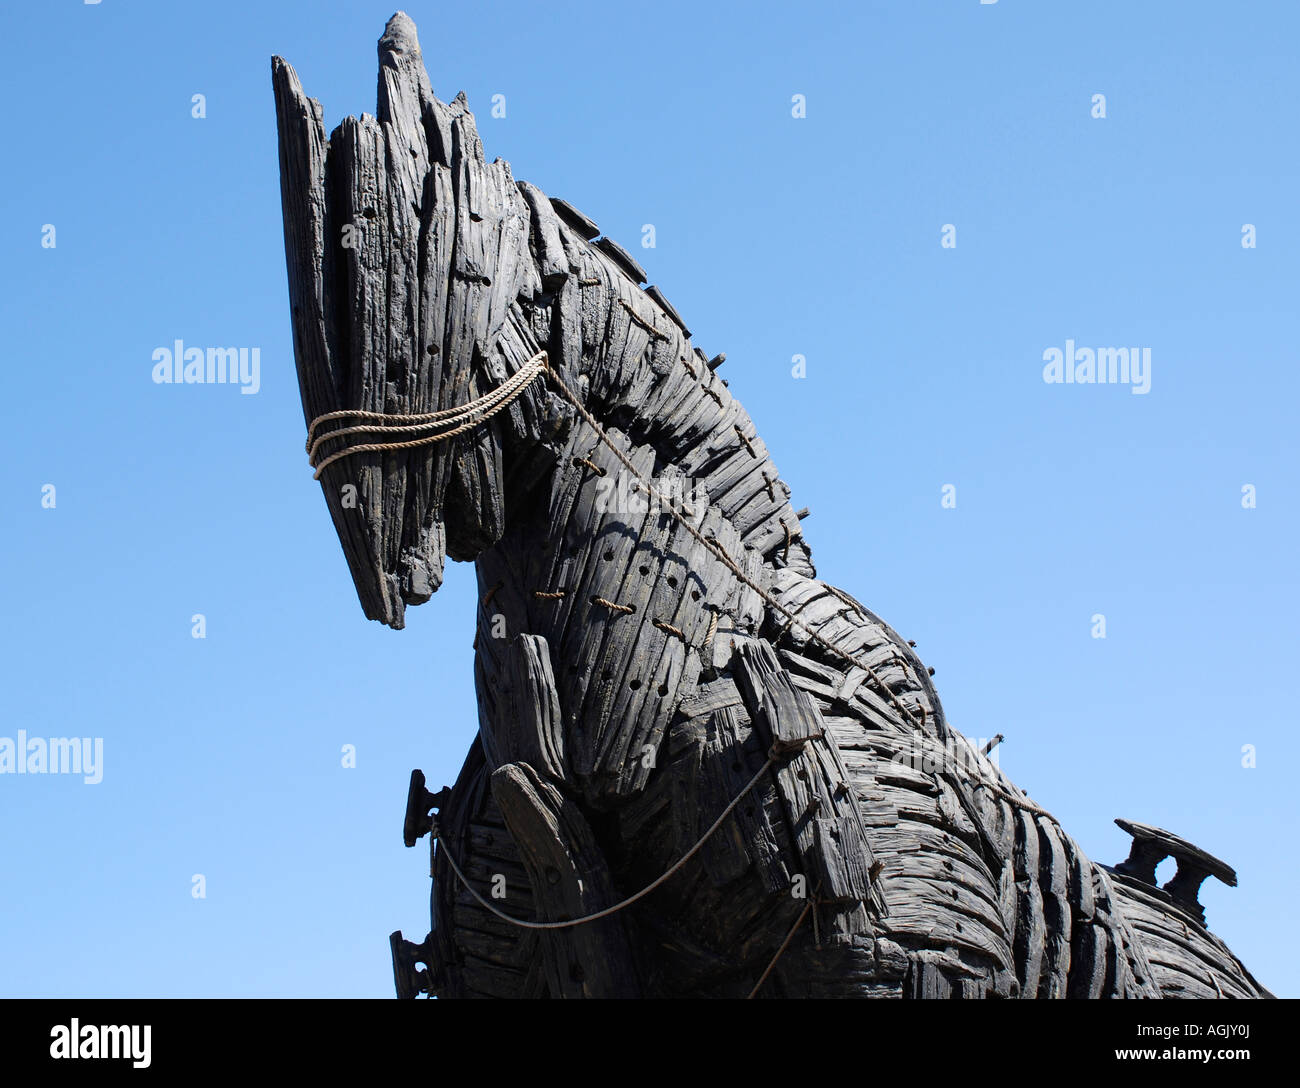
<point x="430" y="427"/>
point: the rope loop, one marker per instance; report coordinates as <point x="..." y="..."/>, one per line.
<point x="447" y="423"/>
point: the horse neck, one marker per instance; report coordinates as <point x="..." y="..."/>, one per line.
<point x="647" y="384"/>
<point x="626" y="598"/>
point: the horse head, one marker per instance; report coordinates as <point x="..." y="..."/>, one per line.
<point x="420" y="319"/>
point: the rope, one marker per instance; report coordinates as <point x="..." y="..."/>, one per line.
<point x="525" y="924"/>
<point x="713" y="630"/>
<point x="461" y="419"/>
<point x="670" y="629"/>
<point x="780" y="951"/>
<point x="445" y="415"/>
<point x="642" y="321"/>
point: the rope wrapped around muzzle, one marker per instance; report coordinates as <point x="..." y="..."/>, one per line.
<point x="440" y="426"/>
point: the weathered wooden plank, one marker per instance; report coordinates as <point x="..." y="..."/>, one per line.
<point x="584" y="227"/>
<point x="548" y="247"/>
<point x="783" y="711"/>
<point x="622" y="258"/>
<point x="667" y="308"/>
<point x="570" y="880"/>
<point x="520" y="719"/>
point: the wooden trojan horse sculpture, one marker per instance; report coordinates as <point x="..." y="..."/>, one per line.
<point x="699" y="770"/>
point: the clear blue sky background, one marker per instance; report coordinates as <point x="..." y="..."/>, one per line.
<point x="775" y="236"/>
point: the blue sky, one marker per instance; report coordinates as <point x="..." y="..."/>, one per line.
<point x="775" y="237"/>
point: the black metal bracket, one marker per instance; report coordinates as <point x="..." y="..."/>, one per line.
<point x="1151" y="845"/>
<point x="419" y="805"/>
<point x="407" y="978"/>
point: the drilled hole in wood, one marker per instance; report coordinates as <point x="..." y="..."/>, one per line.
<point x="663" y="689"/>
<point x="644" y="570"/>
<point x="695" y="594"/>
<point x="672" y="581"/>
<point x="634" y="684"/>
<point x="609" y="553"/>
